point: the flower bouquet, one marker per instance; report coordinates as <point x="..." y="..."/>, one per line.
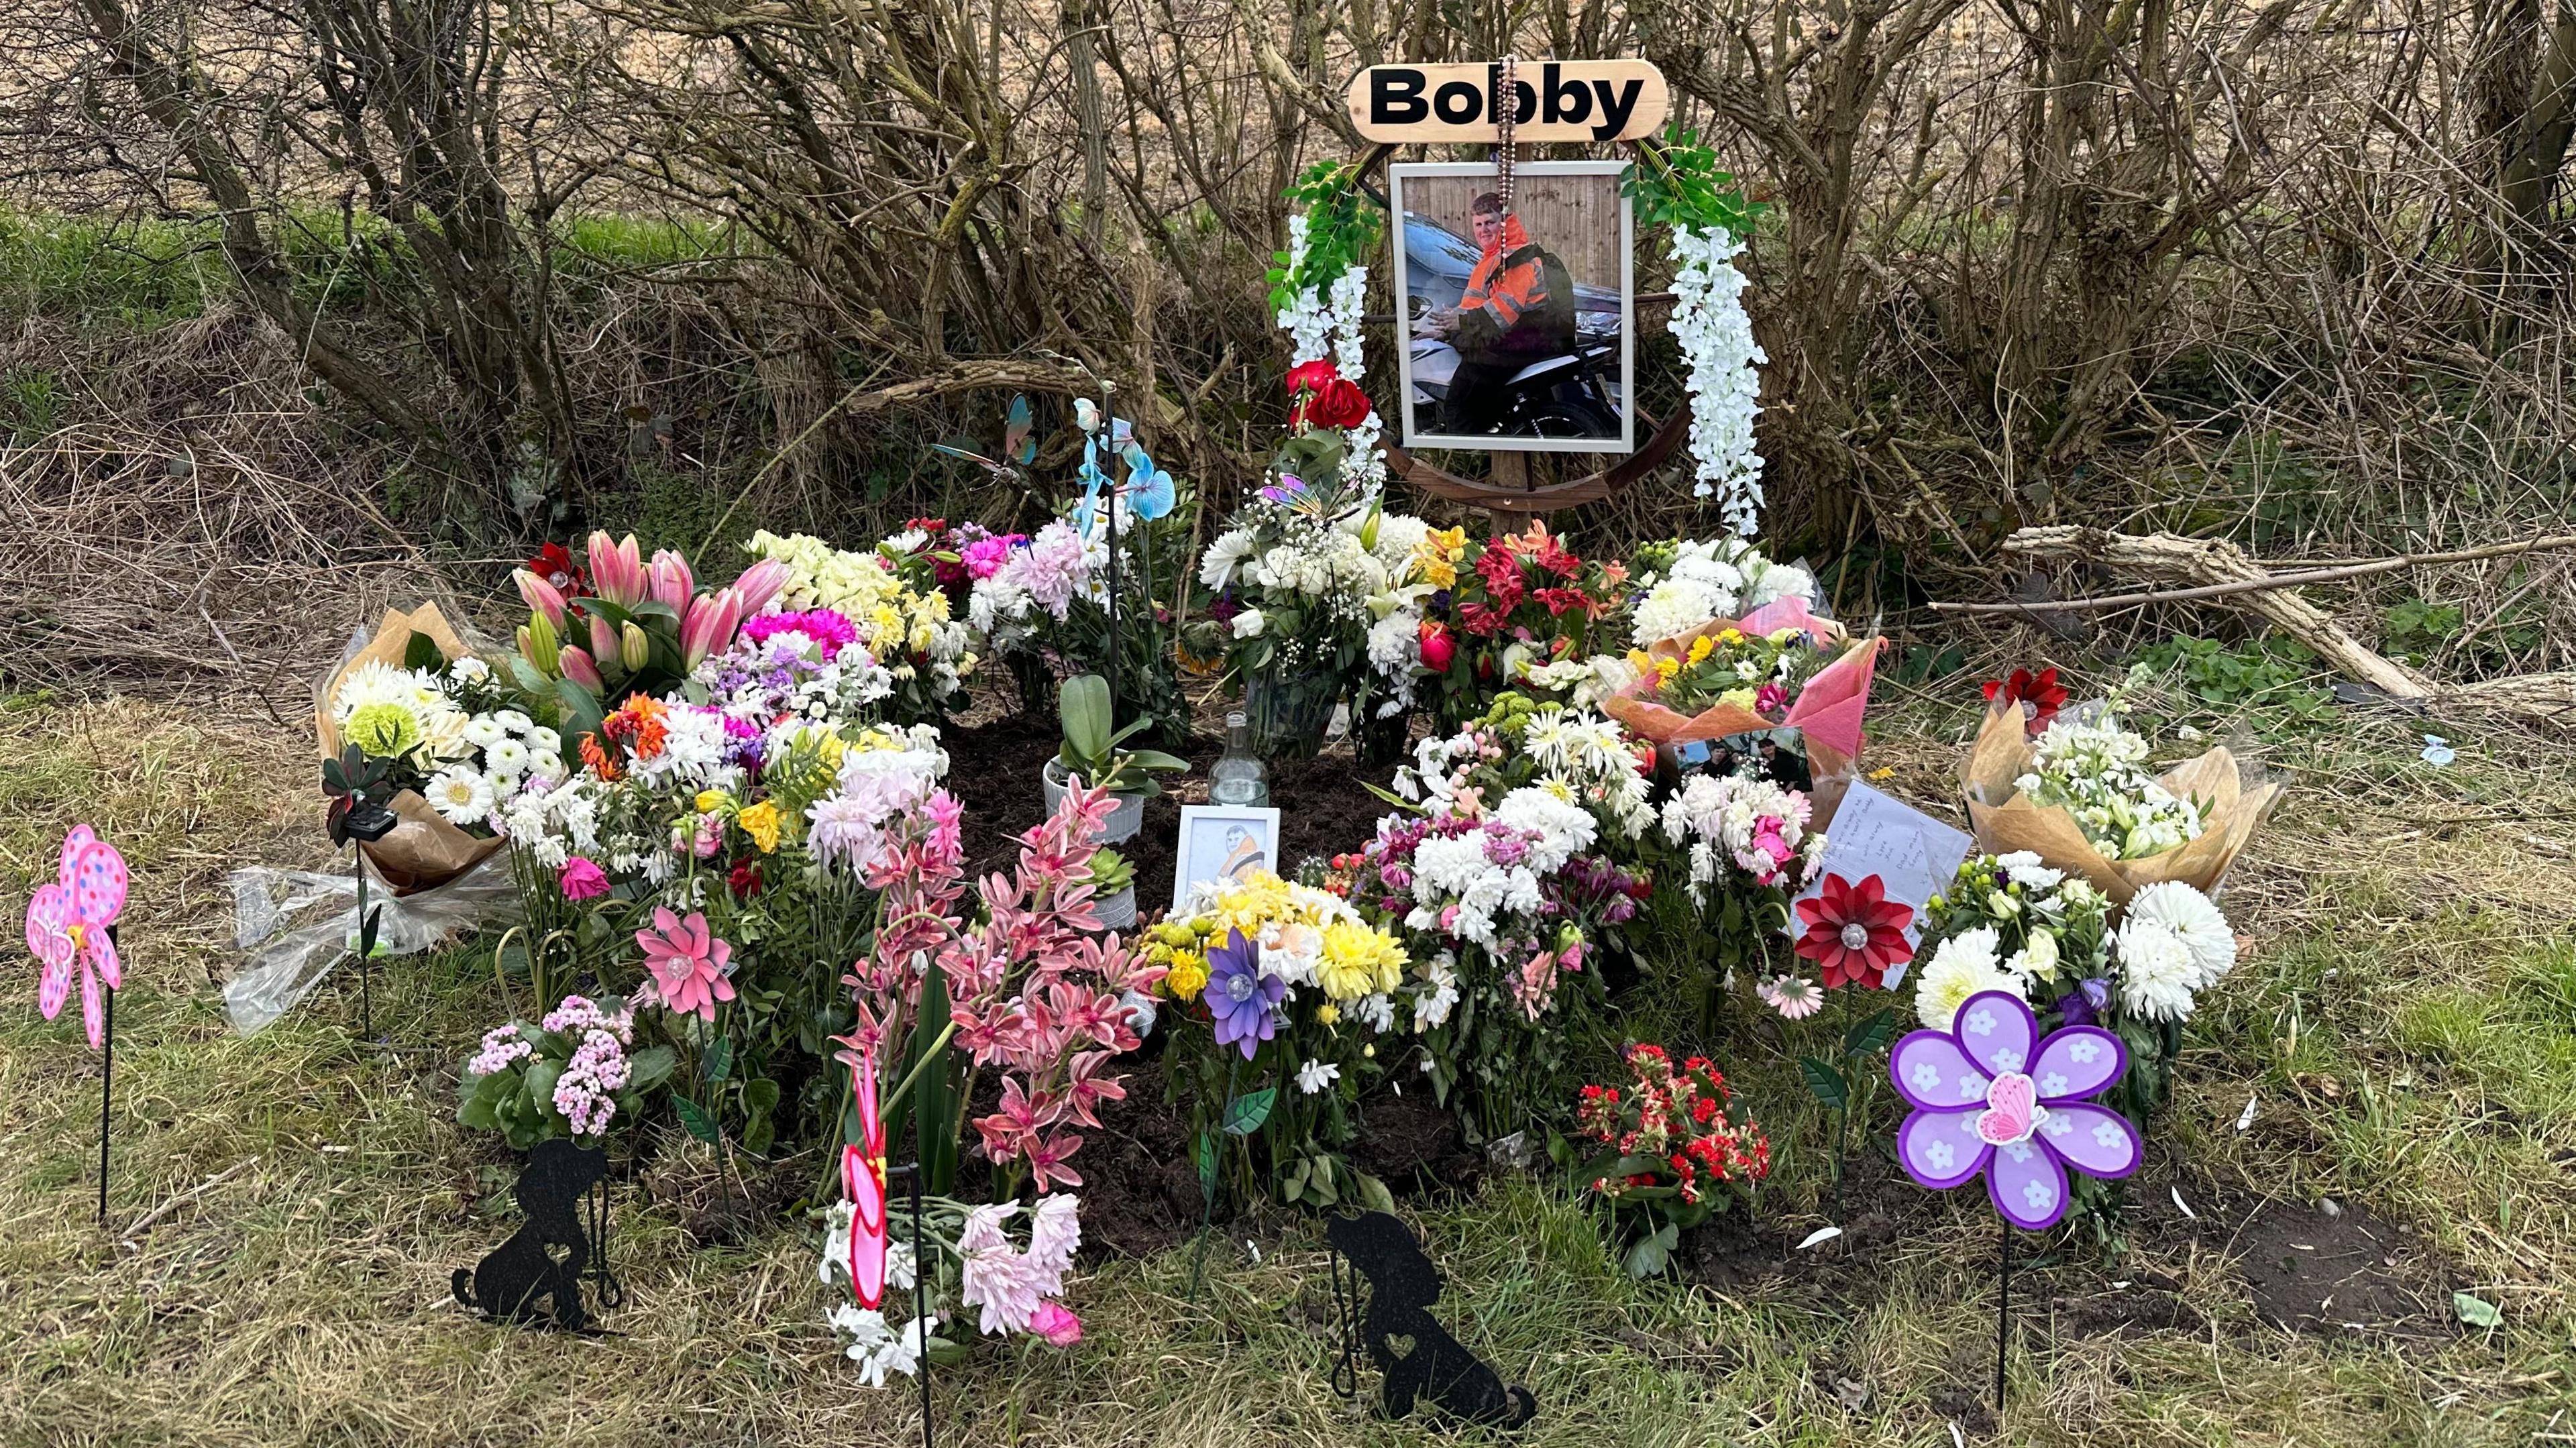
<point x="2079" y="797"/>
<point x="1520" y="612"/>
<point x="2053" y="940"/>
<point x="1295" y="985"/>
<point x="1668" y="1150"/>
<point x="646" y="626"/>
<point x="892" y="602"/>
<point x="1682" y="584"/>
<point x="1291" y="581"/>
<point x="437" y="739"/>
<point x="1516" y="861"/>
<point x="1777" y="668"/>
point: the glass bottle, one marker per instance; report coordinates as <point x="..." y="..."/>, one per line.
<point x="1239" y="777"/>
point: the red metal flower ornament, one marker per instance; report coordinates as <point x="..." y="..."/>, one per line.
<point x="554" y="564"/>
<point x="1854" y="932"/>
<point x="2039" y="695"/>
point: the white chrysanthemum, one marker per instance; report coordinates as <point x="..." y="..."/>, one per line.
<point x="2156" y="971"/>
<point x="460" y="795"/>
<point x="483" y="731"/>
<point x="1961" y="966"/>
<point x="506" y="755"/>
<point x="2194" y="917"/>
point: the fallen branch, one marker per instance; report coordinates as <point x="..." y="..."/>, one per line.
<point x="2214" y="568"/>
<point x="200" y="1189"/>
<point x="2276" y="580"/>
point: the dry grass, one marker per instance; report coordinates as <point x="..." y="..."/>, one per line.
<point x="2409" y="1024"/>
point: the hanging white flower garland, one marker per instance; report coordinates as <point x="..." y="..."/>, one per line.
<point x="1321" y="326"/>
<point x="1717" y="345"/>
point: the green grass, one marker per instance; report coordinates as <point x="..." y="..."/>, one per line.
<point x="2407" y="1026"/>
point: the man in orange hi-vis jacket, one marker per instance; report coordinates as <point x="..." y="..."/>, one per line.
<point x="1518" y="309"/>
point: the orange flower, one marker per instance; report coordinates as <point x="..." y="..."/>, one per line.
<point x="597" y="758"/>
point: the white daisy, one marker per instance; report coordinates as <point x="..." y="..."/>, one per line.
<point x="460" y="795"/>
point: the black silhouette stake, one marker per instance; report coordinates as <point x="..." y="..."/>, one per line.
<point x="525" y="1271"/>
<point x="106" y="1075"/>
<point x="1402" y="1287"/>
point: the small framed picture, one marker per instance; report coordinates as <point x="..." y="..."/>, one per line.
<point x="1223" y="842"/>
<point x="1515" y="326"/>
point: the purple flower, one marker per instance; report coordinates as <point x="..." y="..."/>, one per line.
<point x="1986" y="1101"/>
<point x="2084" y="1005"/>
<point x="1242" y="1001"/>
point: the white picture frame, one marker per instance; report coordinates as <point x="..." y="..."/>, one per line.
<point x="1424" y="362"/>
<point x="1209" y="847"/>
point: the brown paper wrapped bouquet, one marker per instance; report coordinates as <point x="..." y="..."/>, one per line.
<point x="379" y="700"/>
<point x="2079" y="797"/>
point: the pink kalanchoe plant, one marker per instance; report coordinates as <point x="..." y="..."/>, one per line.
<point x="687" y="962"/>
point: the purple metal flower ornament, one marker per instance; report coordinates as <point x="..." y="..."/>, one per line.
<point x="1990" y="1096"/>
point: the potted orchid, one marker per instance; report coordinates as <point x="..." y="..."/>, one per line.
<point x="1091" y="756"/>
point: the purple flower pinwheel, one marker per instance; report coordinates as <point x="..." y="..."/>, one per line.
<point x="1242" y="1002"/>
<point x="1986" y="1101"/>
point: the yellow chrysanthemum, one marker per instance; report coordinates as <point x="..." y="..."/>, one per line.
<point x="1701" y="648"/>
<point x="1665" y="669"/>
<point x="1358" y="961"/>
<point x="1730" y="636"/>
<point x="761" y="823"/>
<point x="1187" y="976"/>
<point x="382" y="730"/>
<point x="1328" y="1014"/>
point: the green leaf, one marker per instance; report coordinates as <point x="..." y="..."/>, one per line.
<point x="537" y="1086"/>
<point x="1205" y="1149"/>
<point x="1373" y="1193"/>
<point x="1825" y="1083"/>
<point x="2477" y="1311"/>
<point x="760" y="1095"/>
<point x="758" y="1132"/>
<point x="650" y="1067"/>
<point x="695" y="1118"/>
<point x="1245" y="1113"/>
<point x="720" y="1059"/>
<point x="421" y="652"/>
<point x="528" y="677"/>
<point x="1866" y="1037"/>
<point x="1652" y="1253"/>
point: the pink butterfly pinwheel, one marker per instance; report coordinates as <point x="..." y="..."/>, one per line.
<point x="863" y="1167"/>
<point x="67" y="924"/>
<point x="1990" y="1096"/>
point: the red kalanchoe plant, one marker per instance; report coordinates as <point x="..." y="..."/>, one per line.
<point x="1854" y="932"/>
<point x="1670" y="1148"/>
<point x="2039" y="695"/>
<point x="1324" y="397"/>
<point x="554" y="564"/>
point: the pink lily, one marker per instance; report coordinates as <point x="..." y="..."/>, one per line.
<point x="710" y="624"/>
<point x="759" y="585"/>
<point x="617" y="569"/>
<point x="671" y="581"/>
<point x="605" y="645"/>
<point x="576" y="665"/>
<point x="543" y="598"/>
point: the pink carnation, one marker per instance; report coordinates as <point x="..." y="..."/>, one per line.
<point x="1056" y="1323"/>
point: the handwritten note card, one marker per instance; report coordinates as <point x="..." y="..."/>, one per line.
<point x="1914" y="855"/>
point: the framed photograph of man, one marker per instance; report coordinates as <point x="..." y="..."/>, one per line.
<point x="1515" y="330"/>
<point x="1223" y="842"/>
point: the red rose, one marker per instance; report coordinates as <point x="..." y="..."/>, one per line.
<point x="1325" y="398"/>
<point x="745" y="880"/>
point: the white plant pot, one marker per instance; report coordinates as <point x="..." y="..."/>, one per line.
<point x="1124" y="823"/>
<point x="1118" y="911"/>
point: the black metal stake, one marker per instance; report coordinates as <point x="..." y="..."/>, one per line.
<point x="1109" y="421"/>
<point x="106" y="1090"/>
<point x="366" y="947"/>
<point x="1345" y="1376"/>
<point x="2003" y="1314"/>
<point x="920" y="1286"/>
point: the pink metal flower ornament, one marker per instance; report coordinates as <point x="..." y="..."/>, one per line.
<point x="68" y="925"/>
